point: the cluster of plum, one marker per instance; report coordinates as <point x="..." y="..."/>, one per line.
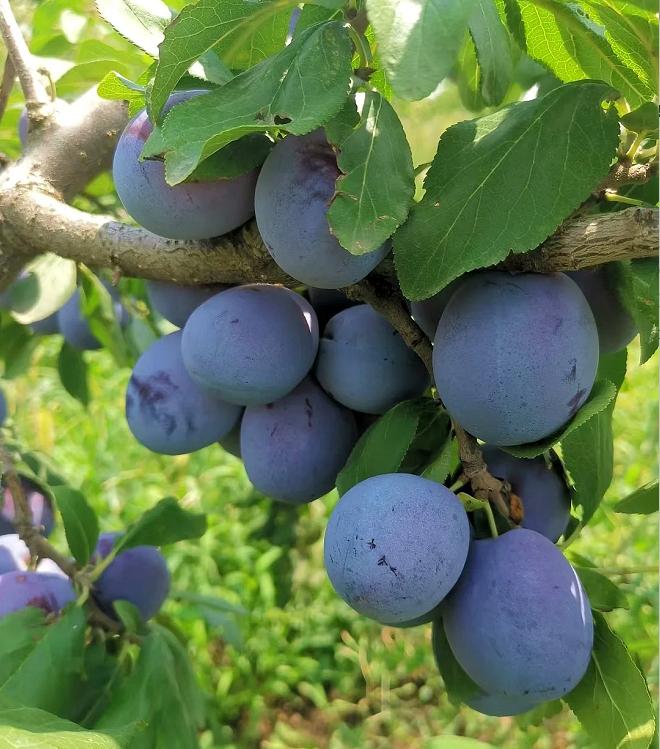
<point x="514" y="358"/>
<point x="138" y="575"/>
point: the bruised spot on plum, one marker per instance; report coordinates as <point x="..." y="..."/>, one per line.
<point x="269" y="406"/>
<point x="46" y="603"/>
<point x="574" y="402"/>
<point x="152" y="392"/>
<point x="572" y="374"/>
<point x="559" y="321"/>
<point x="273" y="430"/>
<point x="309" y="411"/>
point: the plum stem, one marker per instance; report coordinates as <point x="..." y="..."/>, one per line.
<point x="491" y="521"/>
<point x="361" y="47"/>
<point x="614" y="197"/>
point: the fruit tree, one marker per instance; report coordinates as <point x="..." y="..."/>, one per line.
<point x="221" y="198"/>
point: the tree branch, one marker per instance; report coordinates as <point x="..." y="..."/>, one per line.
<point x="625" y="172"/>
<point x="35" y="94"/>
<point x="8" y="76"/>
<point x="38" y="546"/>
<point x="585" y="241"/>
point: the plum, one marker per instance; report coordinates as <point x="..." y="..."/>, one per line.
<point x="138" y="575"/>
<point x="295" y="186"/>
<point x="544" y="493"/>
<point x="294" y="448"/>
<point x="41" y="505"/>
<point x="515" y="356"/>
<point x="19" y="589"/>
<point x="47" y="326"/>
<point x="365" y="365"/>
<point x="3" y="408"/>
<point x="249" y="345"/>
<point x="395" y="545"/>
<point x="176" y="303"/>
<point x="428" y="312"/>
<point x="616" y="328"/>
<point x="232" y="441"/>
<point x="327" y="303"/>
<point x="14" y="554"/>
<point x="519" y="621"/>
<point x="74" y="326"/>
<point x="190" y="210"/>
<point x="166" y="411"/>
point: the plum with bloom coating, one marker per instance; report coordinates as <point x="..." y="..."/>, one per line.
<point x="395" y="545"/>
<point x="519" y="621"/>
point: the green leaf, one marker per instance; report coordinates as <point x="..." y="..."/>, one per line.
<point x="574" y="48"/>
<point x="493" y="48"/>
<point x="612" y="701"/>
<point x="439" y="467"/>
<point x="374" y="192"/>
<point x="588" y="454"/>
<point x="209" y="602"/>
<point x="471" y="504"/>
<point x="142" y="22"/>
<point x="99" y="308"/>
<point x="602" y="393"/>
<point x="20" y="633"/>
<point x="632" y="34"/>
<point x="116" y="87"/>
<point x="636" y="284"/>
<point x="45" y="678"/>
<point x="81" y="526"/>
<point x="155" y="695"/>
<point x="643" y="501"/>
<point x="613" y="367"/>
<point x="30" y="728"/>
<point x="72" y="369"/>
<point x="17" y="350"/>
<point x="644" y="119"/>
<point x="468" y="76"/>
<point x="243" y="33"/>
<point x="166" y="523"/>
<point x="458" y="684"/>
<point x="603" y="594"/>
<point x="418" y="41"/>
<point x="50" y="282"/>
<point x="234" y="160"/>
<point x="86" y="75"/>
<point x="101" y="674"/>
<point x="129" y="615"/>
<point x="382" y="448"/>
<point x="506" y="165"/>
<point x="300" y="88"/>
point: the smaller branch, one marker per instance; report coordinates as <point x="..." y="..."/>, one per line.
<point x="38" y="546"/>
<point x="380" y="291"/>
<point x="8" y="77"/>
<point x="35" y="94"/>
<point x="475" y="470"/>
<point x="627" y="173"/>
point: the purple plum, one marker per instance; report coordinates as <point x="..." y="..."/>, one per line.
<point x="19" y="589"/>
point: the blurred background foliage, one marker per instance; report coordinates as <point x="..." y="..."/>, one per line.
<point x="284" y="663"/>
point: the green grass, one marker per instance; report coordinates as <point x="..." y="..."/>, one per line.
<point x="299" y="668"/>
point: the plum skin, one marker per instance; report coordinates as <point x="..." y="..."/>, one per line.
<point x="545" y="497"/>
<point x="166" y="411"/>
<point x="138" y="575"/>
<point x="295" y="186"/>
<point x="47" y="326"/>
<point x="74" y="327"/>
<point x="428" y="312"/>
<point x="294" y="448"/>
<point x="364" y="363"/>
<point x="176" y="303"/>
<point x="249" y="345"/>
<point x="519" y="621"/>
<point x="19" y="589"/>
<point x="190" y="210"/>
<point x="395" y="545"/>
<point x="515" y="356"/>
<point x="616" y="328"/>
<point x="43" y="515"/>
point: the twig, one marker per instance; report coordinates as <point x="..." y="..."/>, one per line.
<point x="18" y="51"/>
<point x="8" y="76"/>
<point x="625" y="172"/>
<point x="38" y="546"/>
